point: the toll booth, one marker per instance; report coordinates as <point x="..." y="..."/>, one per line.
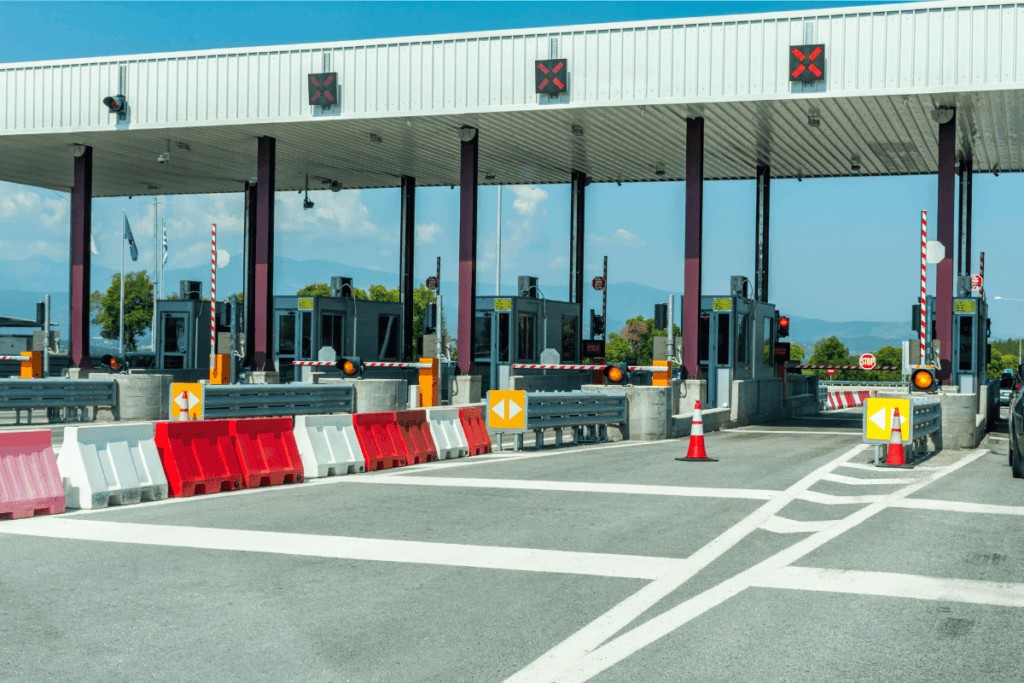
<point x="303" y="326"/>
<point x="736" y="337"/>
<point x="517" y="329"/>
<point x="183" y="335"/>
<point x="970" y="344"/>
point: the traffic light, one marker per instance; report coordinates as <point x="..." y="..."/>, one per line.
<point x="783" y="326"/>
<point x="430" y="319"/>
<point x="111" y="362"/>
<point x="616" y="373"/>
<point x="116" y="104"/>
<point x="922" y="380"/>
<point x="351" y="367"/>
<point x="597" y="326"/>
<point x="660" y="316"/>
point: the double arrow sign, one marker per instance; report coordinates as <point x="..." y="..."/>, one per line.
<point x="506" y="410"/>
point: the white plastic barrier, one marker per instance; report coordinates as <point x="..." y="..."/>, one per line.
<point x="328" y="445"/>
<point x="111" y="465"/>
<point x="446" y="428"/>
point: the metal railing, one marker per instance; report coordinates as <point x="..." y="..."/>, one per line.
<point x="588" y="413"/>
<point x="68" y="394"/>
<point x="851" y="383"/>
<point x="228" y="401"/>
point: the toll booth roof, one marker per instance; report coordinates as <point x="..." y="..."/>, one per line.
<point x="884" y="78"/>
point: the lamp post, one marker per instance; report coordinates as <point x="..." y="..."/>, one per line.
<point x="1021" y="312"/>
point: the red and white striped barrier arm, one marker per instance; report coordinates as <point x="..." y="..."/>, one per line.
<point x="632" y="368"/>
<point x="21" y="358"/>
<point x="334" y="364"/>
<point x="842" y="367"/>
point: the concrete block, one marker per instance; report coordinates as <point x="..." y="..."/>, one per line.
<point x="376" y="395"/>
<point x="960" y="427"/>
<point x="263" y="377"/>
<point x="690" y="392"/>
<point x="139" y="397"/>
<point x="648" y="412"/>
<point x="466" y="390"/>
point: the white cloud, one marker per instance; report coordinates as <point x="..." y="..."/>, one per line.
<point x="559" y="262"/>
<point x="628" y="239"/>
<point x="527" y="198"/>
<point x="428" y="232"/>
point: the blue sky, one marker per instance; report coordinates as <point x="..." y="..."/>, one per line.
<point x="841" y="249"/>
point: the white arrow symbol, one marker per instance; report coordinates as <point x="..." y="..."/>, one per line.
<point x="513" y="409"/>
<point x="880" y="418"/>
<point x="187" y="400"/>
<point x="499" y="409"/>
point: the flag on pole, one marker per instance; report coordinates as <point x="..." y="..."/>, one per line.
<point x="165" y="243"/>
<point x="131" y="240"/>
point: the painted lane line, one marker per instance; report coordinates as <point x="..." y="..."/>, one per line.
<point x="342" y="547"/>
<point x="856" y="481"/>
<point x="583" y="487"/>
<point x="623" y="646"/>
<point x="586" y="640"/>
<point x="772" y="431"/>
<point x="895" y="586"/>
<point x="829" y="499"/>
<point x="956" y="506"/>
<point x="873" y="468"/>
<point x="782" y="525"/>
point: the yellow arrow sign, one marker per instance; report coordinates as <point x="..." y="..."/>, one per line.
<point x="506" y="410"/>
<point x="878" y="414"/>
<point x="186" y="397"/>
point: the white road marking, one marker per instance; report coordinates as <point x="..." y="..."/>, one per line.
<point x="450" y="554"/>
<point x="956" y="506"/>
<point x="829" y="499"/>
<point x="873" y="468"/>
<point x="584" y="487"/>
<point x="623" y="646"/>
<point x="741" y="430"/>
<point x="782" y="525"/>
<point x="856" y="481"/>
<point x="584" y="641"/>
<point x="895" y="586"/>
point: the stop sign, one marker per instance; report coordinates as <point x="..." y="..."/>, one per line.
<point x="831" y="371"/>
<point x="868" y="362"/>
<point x="598" y="283"/>
<point x="976" y="283"/>
<point x="432" y="282"/>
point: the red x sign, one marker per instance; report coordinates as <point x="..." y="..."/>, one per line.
<point x="323" y="89"/>
<point x="807" y="63"/>
<point x="552" y="75"/>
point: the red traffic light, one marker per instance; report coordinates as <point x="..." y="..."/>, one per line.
<point x="783" y="326"/>
<point x="115" y="104"/>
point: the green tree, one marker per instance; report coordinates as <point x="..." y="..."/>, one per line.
<point x="635" y="340"/>
<point x="1000" y="362"/>
<point x="324" y="289"/>
<point x="830" y="351"/>
<point x="138" y="308"/>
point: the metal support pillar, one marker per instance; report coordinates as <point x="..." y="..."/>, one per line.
<point x="946" y="218"/>
<point x="81" y="259"/>
<point x="576" y="222"/>
<point x="963" y="256"/>
<point x="263" y="257"/>
<point x="467" y="247"/>
<point x="407" y="258"/>
<point x="249" y="277"/>
<point x="694" y="239"/>
<point x="764" y="180"/>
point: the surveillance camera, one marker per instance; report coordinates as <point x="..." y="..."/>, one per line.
<point x="307" y="204"/>
<point x="164" y="158"/>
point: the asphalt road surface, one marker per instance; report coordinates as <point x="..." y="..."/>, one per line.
<point x="792" y="558"/>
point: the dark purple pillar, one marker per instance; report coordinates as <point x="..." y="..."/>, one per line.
<point x="576" y="221"/>
<point x="263" y="258"/>
<point x="763" y="204"/>
<point x="945" y="222"/>
<point x="407" y="258"/>
<point x="694" y="239"/>
<point x="963" y="255"/>
<point x="467" y="248"/>
<point x="81" y="260"/>
<point x="249" y="284"/>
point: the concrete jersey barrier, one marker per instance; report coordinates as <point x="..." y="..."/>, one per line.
<point x="111" y="465"/>
<point x="328" y="445"/>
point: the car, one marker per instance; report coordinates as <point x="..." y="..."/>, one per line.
<point x="1005" y="387"/>
<point x="1016" y="424"/>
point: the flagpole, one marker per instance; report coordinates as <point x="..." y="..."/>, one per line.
<point x="120" y="321"/>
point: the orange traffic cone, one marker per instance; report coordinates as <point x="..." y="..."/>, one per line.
<point x="894" y="457"/>
<point x="696" y="452"/>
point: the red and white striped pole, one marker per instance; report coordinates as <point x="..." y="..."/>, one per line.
<point x="924" y="284"/>
<point x="981" y="273"/>
<point x="213" y="296"/>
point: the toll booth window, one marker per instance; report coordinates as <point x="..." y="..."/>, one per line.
<point x="482" y="336"/>
<point x="723" y="339"/>
<point x="769" y="349"/>
<point x="307" y="335"/>
<point x="286" y="334"/>
<point x="330" y="332"/>
<point x="703" y="337"/>
<point x="527" y="336"/>
<point x="741" y="339"/>
<point x="175" y="340"/>
<point x="966" y="343"/>
<point x="387" y="337"/>
<point x="504" y="337"/>
<point x="569" y="339"/>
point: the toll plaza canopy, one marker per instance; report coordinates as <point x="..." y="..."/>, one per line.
<point x="877" y="90"/>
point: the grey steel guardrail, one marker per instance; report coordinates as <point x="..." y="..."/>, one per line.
<point x="228" y="401"/>
<point x="925" y="420"/>
<point x="588" y="413"/>
<point x="55" y="393"/>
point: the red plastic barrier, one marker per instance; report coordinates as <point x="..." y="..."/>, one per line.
<point x="198" y="457"/>
<point x="415" y="431"/>
<point x="30" y="483"/>
<point x="267" y="451"/>
<point x="476" y="431"/>
<point x="382" y="444"/>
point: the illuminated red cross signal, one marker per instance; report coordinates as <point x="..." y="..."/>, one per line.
<point x="323" y="89"/>
<point x="807" y="62"/>
<point x="552" y="76"/>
